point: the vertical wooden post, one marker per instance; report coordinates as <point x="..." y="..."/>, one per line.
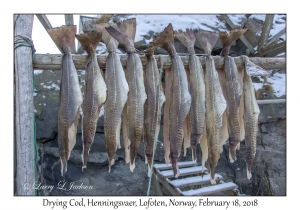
<point x="24" y="122"/>
<point x="70" y="21"/>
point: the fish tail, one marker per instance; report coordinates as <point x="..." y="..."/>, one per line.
<point x="104" y="18"/>
<point x="110" y="42"/>
<point x="249" y="175"/>
<point x="89" y="41"/>
<point x="175" y="167"/>
<point x="111" y="162"/>
<point x="188" y="39"/>
<point x="227" y="40"/>
<point x="63" y="37"/>
<point x="165" y="40"/>
<point x="232" y="153"/>
<point x="132" y="165"/>
<point x="212" y="176"/>
<point x="194" y="156"/>
<point x="207" y="39"/>
<point x="63" y="168"/>
<point x="126" y="35"/>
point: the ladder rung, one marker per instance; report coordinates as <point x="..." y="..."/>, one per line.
<point x="194" y="180"/>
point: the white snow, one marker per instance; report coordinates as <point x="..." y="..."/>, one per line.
<point x="43" y="96"/>
<point x="194" y="179"/>
<point x="237" y="19"/>
<point x="34" y="110"/>
<point x="158" y="23"/>
<point x="52" y="86"/>
<point x="211" y="189"/>
<point x="44" y="104"/>
<point x="36" y="72"/>
<point x="278" y="82"/>
<point x="191" y="170"/>
<point x="34" y="93"/>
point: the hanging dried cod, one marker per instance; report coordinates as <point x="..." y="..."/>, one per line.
<point x="197" y="90"/>
<point x="117" y="90"/>
<point x="215" y="101"/>
<point x="70" y="94"/>
<point x="153" y="105"/>
<point x="135" y="78"/>
<point x="251" y="112"/>
<point x="180" y="96"/>
<point x="95" y="92"/>
<point x="233" y="91"/>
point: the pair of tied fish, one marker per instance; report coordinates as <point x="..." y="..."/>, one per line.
<point x="71" y="100"/>
<point x="139" y="114"/>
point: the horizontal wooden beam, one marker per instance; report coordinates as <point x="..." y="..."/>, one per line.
<point x="242" y="38"/>
<point x="271" y="101"/>
<point x="53" y="61"/>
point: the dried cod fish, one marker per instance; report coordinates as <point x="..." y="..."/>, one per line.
<point x="215" y="101"/>
<point x="70" y="94"/>
<point x="117" y="90"/>
<point x="135" y="78"/>
<point x="197" y="90"/>
<point x="233" y="90"/>
<point x="95" y="92"/>
<point x="180" y="97"/>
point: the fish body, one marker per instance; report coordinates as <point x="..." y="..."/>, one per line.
<point x="214" y="101"/>
<point x="197" y="90"/>
<point x="135" y="79"/>
<point x="180" y="97"/>
<point x="117" y="90"/>
<point x="233" y="91"/>
<point x="95" y="92"/>
<point x="70" y="94"/>
<point x="155" y="99"/>
<point x="251" y="112"/>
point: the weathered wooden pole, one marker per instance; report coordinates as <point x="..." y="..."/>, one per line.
<point x="24" y="121"/>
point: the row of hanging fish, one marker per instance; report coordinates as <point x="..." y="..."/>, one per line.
<point x="204" y="107"/>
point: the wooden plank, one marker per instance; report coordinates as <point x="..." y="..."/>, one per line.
<point x="47" y="25"/>
<point x="165" y="182"/>
<point x="276" y="36"/>
<point x="53" y="62"/>
<point x="276" y="52"/>
<point x="69" y="22"/>
<point x="157" y="188"/>
<point x="265" y="32"/>
<point x="271" y="101"/>
<point x="242" y="38"/>
<point x="44" y="21"/>
<point x="272" y="48"/>
<point x="183" y="172"/>
<point x="196" y="180"/>
<point x="180" y="165"/>
<point x="80" y="49"/>
<point x="210" y="189"/>
<point x="24" y="118"/>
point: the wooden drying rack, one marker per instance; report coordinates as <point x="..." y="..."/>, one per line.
<point x="24" y="65"/>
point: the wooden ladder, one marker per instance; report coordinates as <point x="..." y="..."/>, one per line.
<point x="190" y="181"/>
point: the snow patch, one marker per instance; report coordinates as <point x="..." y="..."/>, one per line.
<point x="278" y="82"/>
<point x="34" y="94"/>
<point x="52" y="86"/>
<point x="36" y="72"/>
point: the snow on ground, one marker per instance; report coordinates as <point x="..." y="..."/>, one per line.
<point x="36" y="72"/>
<point x="158" y="23"/>
<point x="278" y="82"/>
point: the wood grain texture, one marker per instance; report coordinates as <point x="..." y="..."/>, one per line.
<point x="24" y="121"/>
<point x="53" y="62"/>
